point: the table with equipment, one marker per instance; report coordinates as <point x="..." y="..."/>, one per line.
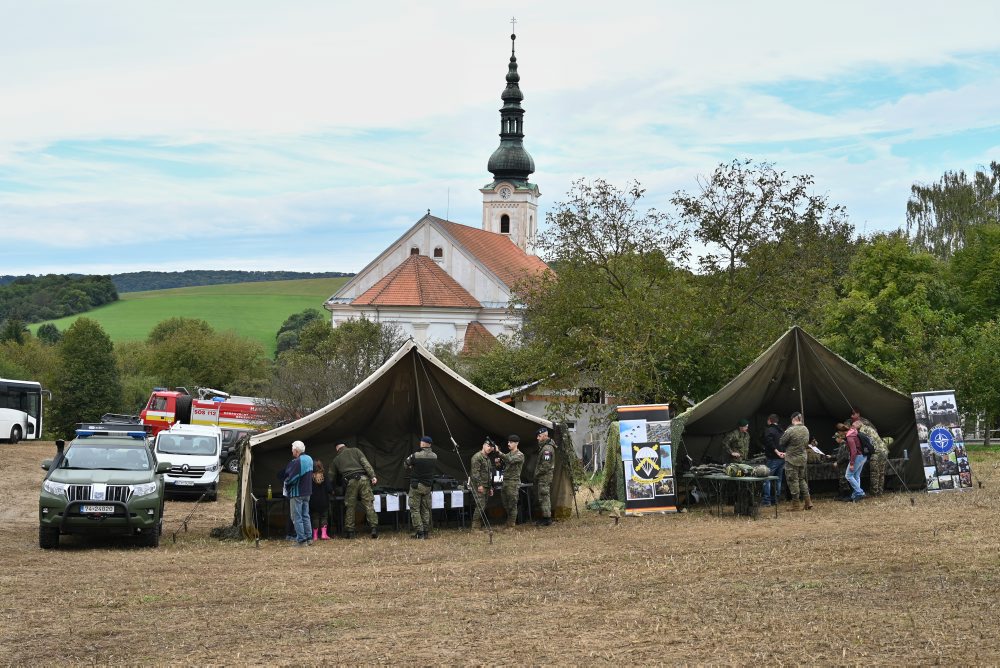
<point x="746" y="492"/>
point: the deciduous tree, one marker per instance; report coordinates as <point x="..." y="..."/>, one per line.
<point x="939" y="215"/>
<point x="87" y="383"/>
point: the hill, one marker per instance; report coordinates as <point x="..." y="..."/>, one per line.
<point x="138" y="281"/>
<point x="254" y="310"/>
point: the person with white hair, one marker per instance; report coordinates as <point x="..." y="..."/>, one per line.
<point x="298" y="489"/>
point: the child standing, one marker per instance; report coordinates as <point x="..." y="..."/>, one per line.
<point x="319" y="502"/>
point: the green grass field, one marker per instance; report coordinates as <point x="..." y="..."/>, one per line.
<point x="253" y="310"/>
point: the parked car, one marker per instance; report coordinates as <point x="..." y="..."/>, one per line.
<point x="106" y="482"/>
<point x="194" y="452"/>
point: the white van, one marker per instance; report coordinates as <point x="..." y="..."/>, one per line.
<point x="193" y="452"/>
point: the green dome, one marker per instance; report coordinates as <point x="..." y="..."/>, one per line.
<point x="511" y="161"/>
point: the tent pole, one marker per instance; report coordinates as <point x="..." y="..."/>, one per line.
<point x="416" y="386"/>
<point x="798" y="367"/>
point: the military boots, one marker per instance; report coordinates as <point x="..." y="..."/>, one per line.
<point x="808" y="502"/>
<point x="796" y="504"/>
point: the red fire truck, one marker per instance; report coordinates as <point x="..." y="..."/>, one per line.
<point x="211" y="407"/>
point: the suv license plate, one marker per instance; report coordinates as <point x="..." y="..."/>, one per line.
<point x="184" y="483"/>
<point x="104" y="510"/>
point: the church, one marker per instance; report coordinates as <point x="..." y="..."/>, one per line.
<point x="444" y="282"/>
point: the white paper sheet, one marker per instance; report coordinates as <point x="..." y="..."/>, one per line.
<point x="391" y="502"/>
<point x="457" y="499"/>
<point x="378" y="503"/>
<point x="437" y="499"/>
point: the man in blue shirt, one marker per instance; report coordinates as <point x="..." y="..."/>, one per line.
<point x="298" y="489"/>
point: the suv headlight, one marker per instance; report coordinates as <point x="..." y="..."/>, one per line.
<point x="213" y="468"/>
<point x="56" y="488"/>
<point x="144" y="489"/>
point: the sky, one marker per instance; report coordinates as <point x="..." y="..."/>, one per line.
<point x="308" y="136"/>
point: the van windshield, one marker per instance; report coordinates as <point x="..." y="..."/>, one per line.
<point x="175" y="444"/>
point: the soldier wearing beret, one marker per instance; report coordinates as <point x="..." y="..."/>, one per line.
<point x="544" y="468"/>
<point x="513" y="461"/>
<point x="737" y="442"/>
<point x="481" y="482"/>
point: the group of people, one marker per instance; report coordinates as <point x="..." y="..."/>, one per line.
<point x="786" y="452"/>
<point x="309" y="486"/>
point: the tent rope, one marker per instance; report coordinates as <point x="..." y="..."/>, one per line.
<point x="480" y="506"/>
<point x="798" y="366"/>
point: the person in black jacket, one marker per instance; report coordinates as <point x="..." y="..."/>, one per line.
<point x="319" y="502"/>
<point x="774" y="452"/>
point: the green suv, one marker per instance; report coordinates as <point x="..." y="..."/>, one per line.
<point x="107" y="482"/>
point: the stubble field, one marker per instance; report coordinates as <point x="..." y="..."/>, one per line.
<point x="900" y="580"/>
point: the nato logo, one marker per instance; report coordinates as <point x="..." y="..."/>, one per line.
<point x="942" y="441"/>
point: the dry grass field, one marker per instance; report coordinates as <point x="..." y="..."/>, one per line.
<point x="890" y="581"/>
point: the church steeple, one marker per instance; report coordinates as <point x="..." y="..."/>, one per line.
<point x="510" y="202"/>
<point x="510" y="161"/>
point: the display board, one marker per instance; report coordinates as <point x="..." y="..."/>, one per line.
<point x="942" y="442"/>
<point x="648" y="464"/>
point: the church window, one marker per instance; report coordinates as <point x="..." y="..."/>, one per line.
<point x="505" y="224"/>
<point x="438" y="252"/>
<point x="414" y="250"/>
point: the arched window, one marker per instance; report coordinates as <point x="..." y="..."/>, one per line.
<point x="505" y="224"/>
<point x="438" y="252"/>
<point x="414" y="250"/>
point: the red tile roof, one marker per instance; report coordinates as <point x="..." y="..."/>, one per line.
<point x="418" y="281"/>
<point x="496" y="251"/>
<point x="477" y="339"/>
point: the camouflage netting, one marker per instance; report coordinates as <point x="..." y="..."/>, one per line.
<point x="615" y="508"/>
<point x="614" y="472"/>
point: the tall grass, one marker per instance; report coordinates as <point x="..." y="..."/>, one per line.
<point x="253" y="310"/>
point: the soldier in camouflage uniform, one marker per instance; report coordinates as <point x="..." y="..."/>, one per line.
<point x="481" y="482"/>
<point x="795" y="440"/>
<point x="423" y="467"/>
<point x="544" y="468"/>
<point x="359" y="476"/>
<point x="737" y="442"/>
<point x="879" y="460"/>
<point x="513" y="461"/>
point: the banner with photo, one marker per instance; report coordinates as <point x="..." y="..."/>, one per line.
<point x="647" y="458"/>
<point x="942" y="442"/>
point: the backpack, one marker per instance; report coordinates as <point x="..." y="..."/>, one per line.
<point x="867" y="448"/>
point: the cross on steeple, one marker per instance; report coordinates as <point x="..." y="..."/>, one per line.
<point x="512" y="22"/>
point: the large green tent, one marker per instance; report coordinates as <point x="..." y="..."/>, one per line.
<point x="798" y="373"/>
<point x="412" y="394"/>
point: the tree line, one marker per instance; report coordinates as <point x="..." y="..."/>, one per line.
<point x="35" y="298"/>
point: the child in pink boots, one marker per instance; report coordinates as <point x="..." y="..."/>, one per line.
<point x="319" y="502"/>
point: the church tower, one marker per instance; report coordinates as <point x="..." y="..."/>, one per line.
<point x="510" y="202"/>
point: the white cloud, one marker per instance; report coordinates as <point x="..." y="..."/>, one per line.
<point x="318" y="119"/>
